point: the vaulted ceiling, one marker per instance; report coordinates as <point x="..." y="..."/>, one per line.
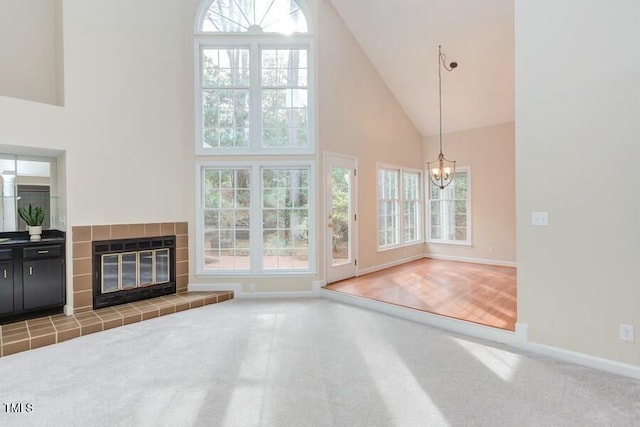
<point x="401" y="38"/>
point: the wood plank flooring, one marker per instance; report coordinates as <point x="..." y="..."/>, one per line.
<point x="478" y="293"/>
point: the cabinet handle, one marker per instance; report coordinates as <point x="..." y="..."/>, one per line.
<point x="30" y="271"/>
<point x="5" y="273"/>
<point x="43" y="252"/>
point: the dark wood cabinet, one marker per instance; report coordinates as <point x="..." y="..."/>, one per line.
<point x="42" y="283"/>
<point x="32" y="278"/>
<point x="6" y="288"/>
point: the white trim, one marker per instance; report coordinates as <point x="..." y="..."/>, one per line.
<point x="449" y="242"/>
<point x="472" y="260"/>
<point x="277" y="294"/>
<point x="199" y="287"/>
<point x="345" y="272"/>
<point x="518" y="339"/>
<point x="379" y="267"/>
<point x="238" y="292"/>
<point x="583" y="359"/>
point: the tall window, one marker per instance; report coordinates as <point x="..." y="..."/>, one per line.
<point x="227" y="220"/>
<point x="254" y="93"/>
<point x="449" y="210"/>
<point x="254" y="88"/>
<point x="399" y="207"/>
<point x="412" y="206"/>
<point x="256" y="218"/>
<point x="388" y="201"/>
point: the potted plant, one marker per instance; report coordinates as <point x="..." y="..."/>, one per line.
<point x="34" y="217"/>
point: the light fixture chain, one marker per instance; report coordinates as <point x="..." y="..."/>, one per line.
<point x="440" y="91"/>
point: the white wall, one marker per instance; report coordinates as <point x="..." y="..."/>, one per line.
<point x="30" y="51"/>
<point x="127" y="124"/>
<point x="490" y="153"/>
<point x="126" y="120"/>
<point x="577" y="149"/>
<point x="359" y="116"/>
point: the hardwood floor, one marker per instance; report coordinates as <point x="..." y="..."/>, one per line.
<point x="478" y="293"/>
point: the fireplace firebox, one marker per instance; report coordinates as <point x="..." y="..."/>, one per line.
<point x="130" y="270"/>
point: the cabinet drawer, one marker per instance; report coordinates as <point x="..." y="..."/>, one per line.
<point x="42" y="251"/>
<point x="6" y="254"/>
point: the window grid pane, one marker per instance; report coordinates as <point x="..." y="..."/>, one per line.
<point x="449" y="219"/>
<point x="388" y="221"/>
<point x="412" y="213"/>
<point x="225" y="98"/>
<point x="226" y="219"/>
<point x="285" y="215"/>
<point x="284" y="98"/>
<point x="275" y="16"/>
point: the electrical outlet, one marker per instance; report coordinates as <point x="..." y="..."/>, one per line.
<point x="490" y="249"/>
<point x="626" y="333"/>
<point x="252" y="287"/>
<point x="540" y="218"/>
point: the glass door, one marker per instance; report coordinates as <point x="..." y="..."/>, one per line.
<point x="340" y="177"/>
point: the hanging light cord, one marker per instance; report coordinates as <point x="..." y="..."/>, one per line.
<point x="442" y="62"/>
<point x="440" y="92"/>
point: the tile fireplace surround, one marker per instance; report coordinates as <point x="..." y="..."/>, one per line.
<point x="82" y="257"/>
<point x="33" y="333"/>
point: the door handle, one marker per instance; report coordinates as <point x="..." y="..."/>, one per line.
<point x="30" y="271"/>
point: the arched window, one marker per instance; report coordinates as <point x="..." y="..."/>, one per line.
<point x="253" y="16"/>
<point x="255" y="83"/>
<point x="254" y="98"/>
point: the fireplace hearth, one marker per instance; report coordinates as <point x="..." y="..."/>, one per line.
<point x="127" y="270"/>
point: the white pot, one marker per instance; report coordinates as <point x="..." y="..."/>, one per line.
<point x="35" y="231"/>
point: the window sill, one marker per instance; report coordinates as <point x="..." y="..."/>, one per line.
<point x="406" y="245"/>
<point x="244" y="275"/>
<point x="446" y="242"/>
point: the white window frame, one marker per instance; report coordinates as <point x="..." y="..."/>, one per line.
<point x="256" y="227"/>
<point x="255" y="44"/>
<point x="400" y="211"/>
<point x="468" y="241"/>
<point x="419" y="203"/>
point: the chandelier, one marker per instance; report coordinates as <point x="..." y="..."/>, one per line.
<point x="441" y="170"/>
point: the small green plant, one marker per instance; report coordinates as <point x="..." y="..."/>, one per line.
<point x="34" y="216"/>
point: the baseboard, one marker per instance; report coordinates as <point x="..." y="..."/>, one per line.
<point x="472" y="260"/>
<point x="583" y="359"/>
<point x="235" y="287"/>
<point x="388" y="265"/>
<point x="238" y="292"/>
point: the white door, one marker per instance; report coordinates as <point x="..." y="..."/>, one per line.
<point x="340" y="217"/>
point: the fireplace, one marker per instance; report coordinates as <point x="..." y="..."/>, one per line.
<point x="128" y="270"/>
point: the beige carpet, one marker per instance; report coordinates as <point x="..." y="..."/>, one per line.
<point x="302" y="362"/>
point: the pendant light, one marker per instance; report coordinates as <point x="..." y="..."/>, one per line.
<point x="441" y="170"/>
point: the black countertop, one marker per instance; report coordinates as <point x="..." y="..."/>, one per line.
<point x="21" y="238"/>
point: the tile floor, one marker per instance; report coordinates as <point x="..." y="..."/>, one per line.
<point x="34" y="333"/>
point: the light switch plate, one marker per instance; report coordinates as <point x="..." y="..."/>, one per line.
<point x="540" y="218"/>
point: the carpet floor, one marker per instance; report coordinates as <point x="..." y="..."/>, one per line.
<point x="301" y="362"/>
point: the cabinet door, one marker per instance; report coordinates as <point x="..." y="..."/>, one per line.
<point x="6" y="287"/>
<point x="42" y="283"/>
